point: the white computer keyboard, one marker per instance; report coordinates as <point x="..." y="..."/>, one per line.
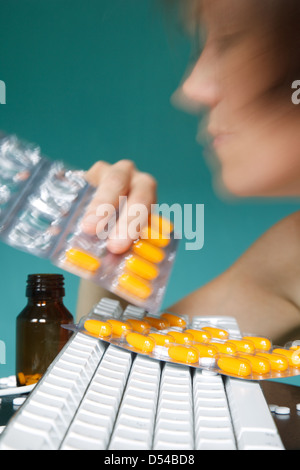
<point x="97" y="396"/>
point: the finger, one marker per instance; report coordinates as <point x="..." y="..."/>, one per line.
<point x="134" y="215"/>
<point x="114" y="183"/>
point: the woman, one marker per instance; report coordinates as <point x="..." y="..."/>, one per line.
<point x="243" y="76"/>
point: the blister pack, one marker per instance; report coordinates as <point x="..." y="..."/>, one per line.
<point x="172" y="338"/>
<point x="41" y="208"/>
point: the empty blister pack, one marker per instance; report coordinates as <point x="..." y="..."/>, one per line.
<point x="41" y="208"/>
<point x="171" y="338"/>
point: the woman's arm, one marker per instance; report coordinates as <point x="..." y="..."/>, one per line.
<point x="261" y="290"/>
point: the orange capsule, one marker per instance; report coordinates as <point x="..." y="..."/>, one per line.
<point x="293" y="356"/>
<point x="205" y="349"/>
<point x="174" y="320"/>
<point x="141" y="342"/>
<point x="135" y="286"/>
<point x="182" y="337"/>
<point x="157" y="323"/>
<point x="141" y="267"/>
<point x="140" y="326"/>
<point x="243" y="346"/>
<point x="98" y="328"/>
<point x="119" y="328"/>
<point x="225" y="348"/>
<point x="161" y="224"/>
<point x="260" y="343"/>
<point x="260" y="365"/>
<point x="217" y="333"/>
<point x="188" y="355"/>
<point x="161" y="340"/>
<point x="199" y="335"/>
<point x="148" y="251"/>
<point x="82" y="260"/>
<point x="235" y="366"/>
<point x="278" y="362"/>
<point x="155" y="237"/>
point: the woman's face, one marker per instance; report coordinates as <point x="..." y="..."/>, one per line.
<point x="254" y="130"/>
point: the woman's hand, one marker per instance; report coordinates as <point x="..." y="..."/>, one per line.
<point x="113" y="181"/>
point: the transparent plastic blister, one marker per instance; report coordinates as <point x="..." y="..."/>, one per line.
<point x="41" y="208"/>
<point x="171" y="338"/>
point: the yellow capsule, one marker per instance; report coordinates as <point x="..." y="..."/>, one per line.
<point x="162" y="340"/>
<point x="205" y="349"/>
<point x="21" y="378"/>
<point x="182" y="337"/>
<point x="278" y="363"/>
<point x="260" y="365"/>
<point x="260" y="343"/>
<point x="199" y="335"/>
<point x="148" y="251"/>
<point x="188" y="355"/>
<point x="141" y="342"/>
<point x="119" y="328"/>
<point x="161" y="224"/>
<point x="157" y="323"/>
<point x="225" y="348"/>
<point x="293" y="356"/>
<point x="243" y="346"/>
<point x="174" y="320"/>
<point x="155" y="237"/>
<point x="135" y="286"/>
<point x="235" y="366"/>
<point x="216" y="332"/>
<point x="140" y="326"/>
<point x="82" y="260"/>
<point x="142" y="268"/>
<point x="98" y="328"/>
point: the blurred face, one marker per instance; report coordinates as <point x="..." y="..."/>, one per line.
<point x="254" y="128"/>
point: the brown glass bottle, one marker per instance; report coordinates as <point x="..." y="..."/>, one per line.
<point x="39" y="334"/>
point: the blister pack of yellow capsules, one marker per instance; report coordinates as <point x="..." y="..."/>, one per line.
<point x="202" y="343"/>
<point x="42" y="204"/>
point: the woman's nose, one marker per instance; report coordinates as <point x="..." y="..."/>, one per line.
<point x="201" y="87"/>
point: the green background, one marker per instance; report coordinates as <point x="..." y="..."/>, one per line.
<point x="90" y="80"/>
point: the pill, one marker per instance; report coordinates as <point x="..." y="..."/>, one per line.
<point x="83" y="260"/>
<point x="282" y="410"/>
<point x="157" y="323"/>
<point x="161" y="224"/>
<point x="98" y="328"/>
<point x="140" y="326"/>
<point x="119" y="328"/>
<point x="243" y="346"/>
<point x="141" y="342"/>
<point x="216" y="332"/>
<point x="225" y="348"/>
<point x="155" y="237"/>
<point x="18" y="401"/>
<point x="260" y="365"/>
<point x="263" y="344"/>
<point x="146" y="250"/>
<point x="199" y="335"/>
<point x="134" y="285"/>
<point x="205" y="350"/>
<point x="293" y="356"/>
<point x="182" y="337"/>
<point x="188" y="355"/>
<point x="298" y="407"/>
<point x="142" y="268"/>
<point x="278" y="363"/>
<point x="21" y="378"/>
<point x="235" y="366"/>
<point x="174" y="320"/>
<point x="162" y="340"/>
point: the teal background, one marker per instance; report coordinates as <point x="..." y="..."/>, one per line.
<point x="90" y="80"/>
